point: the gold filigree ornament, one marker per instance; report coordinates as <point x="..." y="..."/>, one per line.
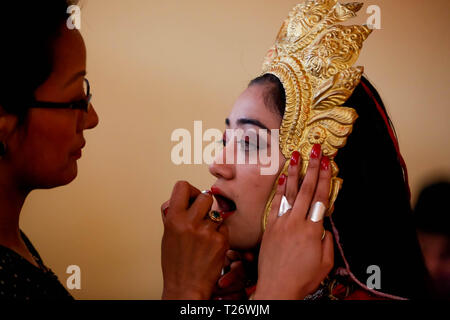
<point x="313" y="57"/>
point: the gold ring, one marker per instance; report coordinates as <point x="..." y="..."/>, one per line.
<point x="215" y="216"/>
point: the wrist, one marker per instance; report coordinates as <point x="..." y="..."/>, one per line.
<point x="183" y="294"/>
<point x="276" y="293"/>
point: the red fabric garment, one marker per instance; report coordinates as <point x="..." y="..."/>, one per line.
<point x="250" y="290"/>
<point x="340" y="293"/>
<point x="359" y="294"/>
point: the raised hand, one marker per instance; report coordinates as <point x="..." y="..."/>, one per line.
<point x="193" y="246"/>
<point x="296" y="254"/>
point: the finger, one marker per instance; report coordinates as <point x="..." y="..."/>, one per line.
<point x="233" y="279"/>
<point x="212" y="223"/>
<point x="249" y="256"/>
<point x="228" y="260"/>
<point x="281" y="188"/>
<point x="308" y="188"/>
<point x="320" y="201"/>
<point x="240" y="295"/>
<point x="293" y="176"/>
<point x="181" y="195"/>
<point x="328" y="252"/>
<point x="233" y="255"/>
<point x="223" y="229"/>
<point x="201" y="206"/>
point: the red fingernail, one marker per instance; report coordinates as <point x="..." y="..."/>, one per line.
<point x="165" y="211"/>
<point x="295" y="157"/>
<point x="315" y="153"/>
<point x="224" y="282"/>
<point x="325" y="163"/>
<point x="282" y="180"/>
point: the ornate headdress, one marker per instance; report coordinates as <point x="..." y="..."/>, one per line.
<point x="313" y="58"/>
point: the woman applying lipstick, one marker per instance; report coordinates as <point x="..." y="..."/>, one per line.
<point x="44" y="109"/>
<point x="194" y="247"/>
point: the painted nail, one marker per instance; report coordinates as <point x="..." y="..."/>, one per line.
<point x="208" y="192"/>
<point x="224" y="282"/>
<point x="315" y="152"/>
<point x="282" y="180"/>
<point x="295" y="157"/>
<point x="325" y="163"/>
<point x="165" y="211"/>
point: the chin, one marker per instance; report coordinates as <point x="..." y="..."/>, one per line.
<point x="242" y="246"/>
<point x="241" y="241"/>
<point x="64" y="178"/>
<point x="70" y="175"/>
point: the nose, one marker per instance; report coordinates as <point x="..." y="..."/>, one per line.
<point x="91" y="120"/>
<point x="220" y="168"/>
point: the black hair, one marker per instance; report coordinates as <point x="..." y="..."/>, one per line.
<point x="431" y="212"/>
<point x="274" y="95"/>
<point x="27" y="32"/>
<point x="372" y="212"/>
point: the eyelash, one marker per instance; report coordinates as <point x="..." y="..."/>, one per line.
<point x="245" y="143"/>
<point x="224" y="139"/>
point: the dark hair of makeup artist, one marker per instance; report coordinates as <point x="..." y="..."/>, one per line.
<point x="372" y="212"/>
<point x="27" y="33"/>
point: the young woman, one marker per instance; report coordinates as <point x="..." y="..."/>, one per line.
<point x="44" y="109"/>
<point x="308" y="75"/>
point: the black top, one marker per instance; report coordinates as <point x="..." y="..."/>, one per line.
<point x="21" y="280"/>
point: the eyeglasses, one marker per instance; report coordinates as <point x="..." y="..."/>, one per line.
<point x="83" y="104"/>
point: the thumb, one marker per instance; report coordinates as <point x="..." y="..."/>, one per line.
<point x="328" y="252"/>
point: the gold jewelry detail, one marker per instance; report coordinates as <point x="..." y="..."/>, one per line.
<point x="313" y="58"/>
<point x="215" y="216"/>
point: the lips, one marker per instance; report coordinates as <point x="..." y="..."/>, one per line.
<point x="226" y="205"/>
<point x="77" y="154"/>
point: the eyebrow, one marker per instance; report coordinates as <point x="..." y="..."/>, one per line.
<point x="243" y="121"/>
<point x="75" y="77"/>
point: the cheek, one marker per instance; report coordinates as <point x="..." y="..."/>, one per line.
<point x="246" y="227"/>
<point x="252" y="182"/>
<point x="50" y="139"/>
<point x="45" y="147"/>
<point x="260" y="186"/>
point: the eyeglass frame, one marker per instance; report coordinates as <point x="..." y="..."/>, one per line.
<point x="83" y="104"/>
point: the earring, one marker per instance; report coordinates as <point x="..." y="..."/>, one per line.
<point x="2" y="149"/>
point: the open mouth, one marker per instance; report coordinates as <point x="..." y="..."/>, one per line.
<point x="225" y="204"/>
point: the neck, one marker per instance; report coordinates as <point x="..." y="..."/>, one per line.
<point x="12" y="198"/>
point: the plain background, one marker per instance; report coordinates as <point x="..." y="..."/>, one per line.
<point x="156" y="66"/>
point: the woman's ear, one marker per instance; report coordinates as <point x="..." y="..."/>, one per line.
<point x="8" y="123"/>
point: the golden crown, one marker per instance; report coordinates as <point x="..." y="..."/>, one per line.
<point x="313" y="58"/>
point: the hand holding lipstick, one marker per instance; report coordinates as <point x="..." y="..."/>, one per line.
<point x="193" y="247"/>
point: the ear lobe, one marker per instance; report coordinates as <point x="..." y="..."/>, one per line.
<point x="8" y="123"/>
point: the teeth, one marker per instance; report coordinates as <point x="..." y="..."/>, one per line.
<point x="225" y="204"/>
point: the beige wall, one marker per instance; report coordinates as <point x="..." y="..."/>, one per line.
<point x="159" y="65"/>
